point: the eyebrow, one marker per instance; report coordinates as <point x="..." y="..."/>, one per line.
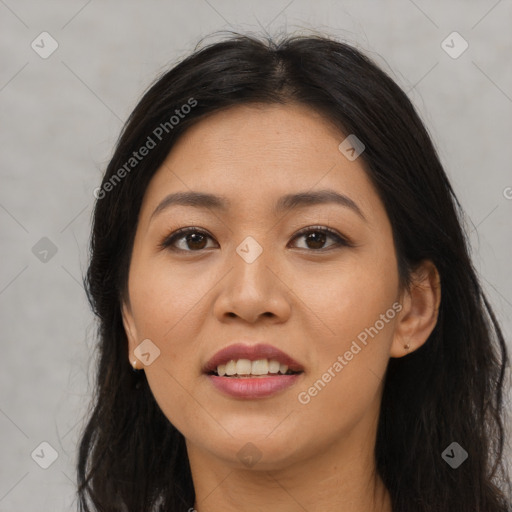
<point x="284" y="204"/>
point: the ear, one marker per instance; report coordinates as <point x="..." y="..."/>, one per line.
<point x="131" y="331"/>
<point x="420" y="308"/>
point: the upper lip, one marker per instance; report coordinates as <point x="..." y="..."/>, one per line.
<point x="252" y="352"/>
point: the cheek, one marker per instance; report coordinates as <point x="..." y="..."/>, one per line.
<point x="352" y="340"/>
<point x="164" y="298"/>
<point x="349" y="298"/>
<point x="166" y="305"/>
<point x="346" y="378"/>
<point x="349" y="366"/>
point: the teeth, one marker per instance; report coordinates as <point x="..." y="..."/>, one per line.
<point x="259" y="367"/>
<point x="273" y="366"/>
<point x="247" y="367"/>
<point x="243" y="367"/>
<point x="230" y="368"/>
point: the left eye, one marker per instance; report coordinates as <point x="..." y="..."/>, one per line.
<point x="195" y="239"/>
<point x="317" y="236"/>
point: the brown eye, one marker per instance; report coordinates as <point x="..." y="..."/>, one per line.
<point x="191" y="239"/>
<point x="316" y="237"/>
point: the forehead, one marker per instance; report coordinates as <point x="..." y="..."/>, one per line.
<point x="255" y="154"/>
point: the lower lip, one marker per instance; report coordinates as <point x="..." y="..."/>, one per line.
<point x="253" y="387"/>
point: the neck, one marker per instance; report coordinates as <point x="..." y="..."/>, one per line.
<point x="340" y="478"/>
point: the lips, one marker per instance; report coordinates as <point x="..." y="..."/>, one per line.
<point x="248" y="372"/>
<point x="253" y="353"/>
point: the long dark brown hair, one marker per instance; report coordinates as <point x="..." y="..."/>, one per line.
<point x="132" y="459"/>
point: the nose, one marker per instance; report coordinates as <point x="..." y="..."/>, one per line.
<point x="253" y="287"/>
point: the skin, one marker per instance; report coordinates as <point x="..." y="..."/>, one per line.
<point x="311" y="301"/>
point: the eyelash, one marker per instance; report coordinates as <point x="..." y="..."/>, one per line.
<point x="168" y="241"/>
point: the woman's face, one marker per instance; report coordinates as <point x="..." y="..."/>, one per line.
<point x="247" y="277"/>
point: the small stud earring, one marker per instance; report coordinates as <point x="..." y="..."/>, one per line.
<point x="407" y="346"/>
<point x="134" y="364"/>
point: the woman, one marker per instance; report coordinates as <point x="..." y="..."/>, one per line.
<point x="277" y="252"/>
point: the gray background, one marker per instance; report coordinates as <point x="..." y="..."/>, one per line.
<point x="60" y="117"/>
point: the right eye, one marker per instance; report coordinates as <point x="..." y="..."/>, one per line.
<point x="191" y="237"/>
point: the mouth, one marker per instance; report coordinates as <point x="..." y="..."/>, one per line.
<point x="252" y="371"/>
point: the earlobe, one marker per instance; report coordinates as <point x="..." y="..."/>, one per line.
<point x="420" y="310"/>
<point x="131" y="334"/>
